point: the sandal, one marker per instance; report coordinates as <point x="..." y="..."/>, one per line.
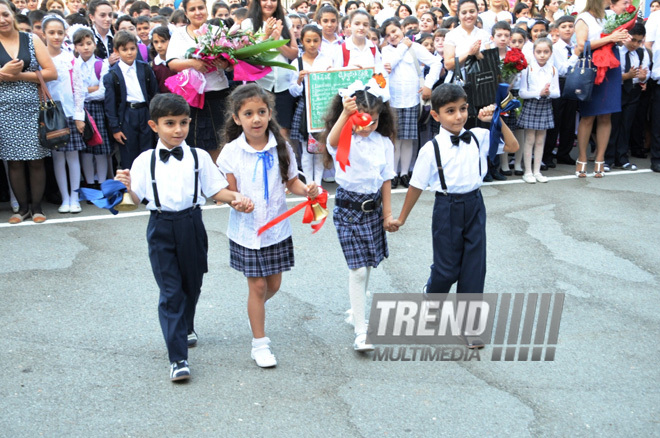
<point x="17" y="218"/>
<point x="38" y="218"/>
<point x="599" y="169"/>
<point x="581" y="169"/>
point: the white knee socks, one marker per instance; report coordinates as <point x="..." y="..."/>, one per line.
<point x="358" y="280"/>
<point x="94" y="167"/>
<point x="60" y="162"/>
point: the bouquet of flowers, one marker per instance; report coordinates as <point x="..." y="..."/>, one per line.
<point x="603" y="57"/>
<point x="513" y="63"/>
<point x="251" y="59"/>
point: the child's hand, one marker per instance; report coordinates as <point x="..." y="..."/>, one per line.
<point x="426" y="93"/>
<point x="390" y="224"/>
<point x="388" y="67"/>
<point x="350" y="106"/>
<point x="407" y="42"/>
<point x="93" y="89"/>
<point x="124" y="176"/>
<point x="312" y="190"/>
<point x="301" y="76"/>
<point x="80" y="126"/>
<point x="486" y="113"/>
<point x="119" y="137"/>
<point x="546" y="91"/>
<point x="242" y="204"/>
<point x="641" y="74"/>
<point x="113" y="58"/>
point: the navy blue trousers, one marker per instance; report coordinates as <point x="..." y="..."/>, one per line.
<point x="459" y="243"/>
<point x="139" y="136"/>
<point x="619" y="144"/>
<point x="178" y="247"/>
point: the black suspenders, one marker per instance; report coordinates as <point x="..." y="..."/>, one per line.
<point x="153" y="178"/>
<point x="438" y="161"/>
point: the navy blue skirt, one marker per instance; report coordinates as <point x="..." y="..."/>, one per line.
<point x="606" y="97"/>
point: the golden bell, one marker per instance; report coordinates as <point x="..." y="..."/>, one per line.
<point x="126" y="203"/>
<point x="506" y="100"/>
<point x="320" y="213"/>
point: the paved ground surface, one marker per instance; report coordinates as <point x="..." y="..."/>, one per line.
<point x="83" y="355"/>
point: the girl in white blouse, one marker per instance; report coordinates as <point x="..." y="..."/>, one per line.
<point x="69" y="90"/>
<point x="539" y="83"/>
<point x="312" y="60"/>
<point x="363" y="170"/>
<point x="258" y="161"/>
<point x="358" y="51"/>
<point x="401" y="58"/>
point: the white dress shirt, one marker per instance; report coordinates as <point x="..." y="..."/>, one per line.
<point x="560" y="56"/>
<point x="372" y="163"/>
<point x="133" y="88"/>
<point x="242" y="160"/>
<point x="68" y="88"/>
<point x="180" y="42"/>
<point x="89" y="78"/>
<point x="634" y="62"/>
<point x="363" y="58"/>
<point x="329" y="47"/>
<point x="653" y="30"/>
<point x="534" y="78"/>
<point x="175" y="180"/>
<point x="655" y="73"/>
<point x="278" y="79"/>
<point x="489" y="18"/>
<point x="322" y="62"/>
<point x="460" y="163"/>
<point x="404" y="79"/>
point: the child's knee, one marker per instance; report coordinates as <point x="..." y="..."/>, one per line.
<point x="258" y="287"/>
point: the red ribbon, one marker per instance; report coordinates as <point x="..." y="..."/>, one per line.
<point x="308" y="217"/>
<point x="344" y="146"/>
<point x="603" y="57"/>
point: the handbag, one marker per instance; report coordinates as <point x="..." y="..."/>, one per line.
<point x="91" y="134"/>
<point x="457" y="78"/>
<point x="54" y="129"/>
<point x="484" y="75"/>
<point x="580" y="78"/>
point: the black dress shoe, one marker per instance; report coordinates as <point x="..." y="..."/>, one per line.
<point x="404" y="180"/>
<point x="488" y="177"/>
<point x="506" y="172"/>
<point x="472" y="342"/>
<point x="518" y="172"/>
<point x="544" y="166"/>
<point x="566" y="160"/>
<point x="551" y="164"/>
<point x="395" y="182"/>
<point x="497" y="175"/>
<point x="655" y="167"/>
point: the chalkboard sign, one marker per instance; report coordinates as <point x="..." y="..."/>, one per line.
<point x="321" y="87"/>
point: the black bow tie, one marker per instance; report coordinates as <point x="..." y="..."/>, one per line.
<point x="177" y="153"/>
<point x="465" y="137"/>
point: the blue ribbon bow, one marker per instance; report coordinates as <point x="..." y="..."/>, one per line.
<point x="267" y="163"/>
<point x="496" y="124"/>
<point x="108" y="197"/>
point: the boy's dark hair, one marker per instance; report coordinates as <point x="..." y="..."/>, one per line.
<point x="446" y="93"/>
<point x="233" y="131"/>
<point x="160" y="20"/>
<point x="241" y="13"/>
<point x="165" y="12"/>
<point x="155" y="9"/>
<point x="82" y="33"/>
<point x="138" y="7"/>
<point x="638" y="29"/>
<point x="124" y="38"/>
<point x="564" y="19"/>
<point x="325" y="9"/>
<point x="76" y="18"/>
<point x="142" y="19"/>
<point x="440" y="33"/>
<point x="234" y="7"/>
<point x="22" y="19"/>
<point x="36" y="16"/>
<point x="410" y="20"/>
<point x="448" y="22"/>
<point x="123" y="18"/>
<point x="168" y="104"/>
<point x="179" y="16"/>
<point x="500" y="25"/>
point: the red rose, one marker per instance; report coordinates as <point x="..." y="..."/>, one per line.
<point x="573" y="13"/>
<point x="514" y="58"/>
<point x="630" y="9"/>
<point x="519" y="67"/>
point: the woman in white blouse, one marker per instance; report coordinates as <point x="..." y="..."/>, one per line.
<point x="206" y="123"/>
<point x="466" y="40"/>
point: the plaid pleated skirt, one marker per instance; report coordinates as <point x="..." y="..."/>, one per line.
<point x="76" y="142"/>
<point x="361" y="235"/>
<point x="297" y="121"/>
<point x="97" y="112"/>
<point x="536" y="114"/>
<point x="407" y="122"/>
<point x="264" y="261"/>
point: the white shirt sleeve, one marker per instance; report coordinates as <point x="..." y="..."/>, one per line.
<point x="212" y="181"/>
<point x="79" y="94"/>
<point x="434" y="63"/>
<point x="554" y="85"/>
<point x="425" y="165"/>
<point x="388" y="171"/>
<point x="226" y="159"/>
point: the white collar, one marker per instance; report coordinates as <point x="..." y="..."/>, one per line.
<point x="351" y="45"/>
<point x="96" y="32"/>
<point x="158" y="60"/>
<point x="160" y="145"/>
<point x="242" y="142"/>
<point x="125" y="67"/>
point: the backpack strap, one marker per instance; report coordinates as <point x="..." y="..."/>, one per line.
<point x="346" y="54"/>
<point x="194" y="154"/>
<point x="153" y="180"/>
<point x="640" y="54"/>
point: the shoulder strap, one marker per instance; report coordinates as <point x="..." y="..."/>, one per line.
<point x="153" y="179"/>
<point x="640" y="54"/>
<point x="194" y="154"/>
<point x="300" y="68"/>
<point x="346" y="53"/>
<point x="438" y="162"/>
<point x="474" y="137"/>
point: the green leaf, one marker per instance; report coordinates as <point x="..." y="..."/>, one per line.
<point x="275" y="64"/>
<point x="256" y="49"/>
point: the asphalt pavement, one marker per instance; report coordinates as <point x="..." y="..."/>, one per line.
<point x="83" y="354"/>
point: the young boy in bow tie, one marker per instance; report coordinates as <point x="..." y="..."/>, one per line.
<point x="172" y="178"/>
<point x="453" y="165"/>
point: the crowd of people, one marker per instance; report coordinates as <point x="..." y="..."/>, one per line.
<point x="415" y="46"/>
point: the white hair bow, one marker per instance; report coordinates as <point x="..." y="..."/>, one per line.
<point x="372" y="87"/>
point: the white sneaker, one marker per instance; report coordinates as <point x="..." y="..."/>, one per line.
<point x="529" y="178"/>
<point x="540" y="178"/>
<point x="64" y="208"/>
<point x="75" y="207"/>
<point x="360" y="343"/>
<point x="263" y="356"/>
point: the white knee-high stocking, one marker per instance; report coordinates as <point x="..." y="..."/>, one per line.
<point x="60" y="162"/>
<point x="87" y="161"/>
<point x="358" y="279"/>
<point x="406" y="155"/>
